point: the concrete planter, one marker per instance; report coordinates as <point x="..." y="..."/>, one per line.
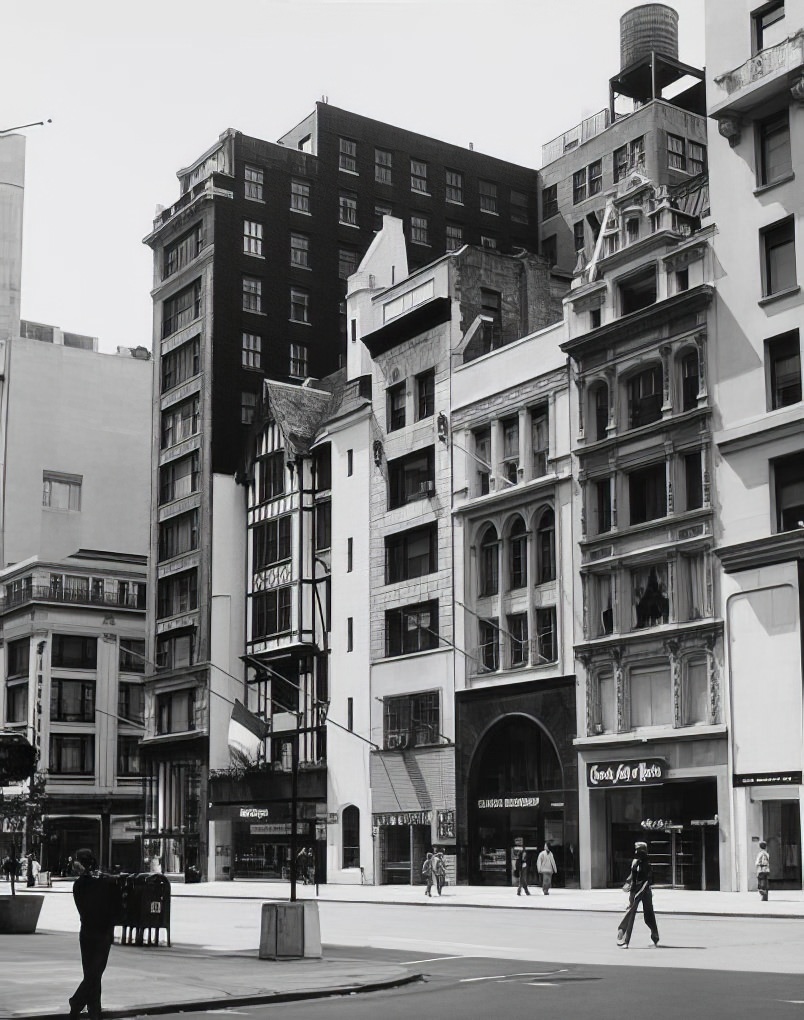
<point x="19" y="914"/>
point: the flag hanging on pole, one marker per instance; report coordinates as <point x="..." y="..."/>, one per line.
<point x="246" y="732"/>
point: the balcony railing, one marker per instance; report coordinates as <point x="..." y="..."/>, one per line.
<point x="72" y="596"/>
<point x="769" y="63"/>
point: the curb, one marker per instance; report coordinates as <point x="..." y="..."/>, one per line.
<point x="202" y="1005"/>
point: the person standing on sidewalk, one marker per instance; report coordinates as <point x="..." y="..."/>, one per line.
<point x="439" y="870"/>
<point x="640" y="892"/>
<point x="521" y="870"/>
<point x="427" y="871"/>
<point x="762" y="864"/>
<point x="546" y="866"/>
<point x="95" y="898"/>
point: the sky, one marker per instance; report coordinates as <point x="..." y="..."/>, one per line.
<point x="137" y="90"/>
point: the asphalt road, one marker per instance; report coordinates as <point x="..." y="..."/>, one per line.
<point x="466" y="987"/>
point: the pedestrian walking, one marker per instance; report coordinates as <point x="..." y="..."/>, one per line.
<point x="641" y="880"/>
<point x="762" y="864"/>
<point x="521" y="871"/>
<point x="546" y="867"/>
<point x="32" y="869"/>
<point x="427" y="871"/>
<point x="97" y="903"/>
<point x="439" y="870"/>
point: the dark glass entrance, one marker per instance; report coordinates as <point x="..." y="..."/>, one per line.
<point x="781" y="827"/>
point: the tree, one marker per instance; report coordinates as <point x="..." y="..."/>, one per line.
<point x="21" y="813"/>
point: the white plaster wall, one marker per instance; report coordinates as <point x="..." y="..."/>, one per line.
<point x="12" y="191"/>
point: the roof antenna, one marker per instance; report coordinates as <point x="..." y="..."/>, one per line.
<point x="325" y="99"/>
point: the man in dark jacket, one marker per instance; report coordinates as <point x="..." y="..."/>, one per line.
<point x="96" y="900"/>
<point x="640" y="892"/>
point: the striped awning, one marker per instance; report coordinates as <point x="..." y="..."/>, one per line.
<point x="416" y="780"/>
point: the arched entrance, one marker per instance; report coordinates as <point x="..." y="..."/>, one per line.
<point x="515" y="799"/>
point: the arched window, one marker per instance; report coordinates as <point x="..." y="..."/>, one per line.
<point x="517" y="555"/>
<point x="489" y="564"/>
<point x="645" y="397"/>
<point x="546" y="546"/>
<point x="599" y="411"/>
<point x="350" y="828"/>
<point x="690" y="381"/>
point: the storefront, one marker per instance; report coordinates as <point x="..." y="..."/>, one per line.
<point x="664" y="800"/>
<point x="774" y="810"/>
<point x="516" y="779"/>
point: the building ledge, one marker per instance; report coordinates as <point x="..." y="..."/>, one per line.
<point x="786" y="422"/>
<point x="762" y="552"/>
<point x="649" y="736"/>
<point x="758" y="79"/>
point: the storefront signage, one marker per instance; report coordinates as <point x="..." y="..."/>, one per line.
<point x="657" y="823"/>
<point x="507" y="802"/>
<point x="405" y="818"/>
<point x="254" y="812"/>
<point x="766" y="779"/>
<point x="270" y="829"/>
<point x="446" y="824"/>
<point x="605" y="774"/>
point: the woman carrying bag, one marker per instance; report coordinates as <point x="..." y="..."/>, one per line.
<point x="639" y="892"/>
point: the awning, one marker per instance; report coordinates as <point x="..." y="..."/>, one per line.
<point x="417" y="780"/>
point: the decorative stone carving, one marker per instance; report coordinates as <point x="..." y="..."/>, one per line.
<point x="797" y="90"/>
<point x="700" y="343"/>
<point x="707" y="488"/>
<point x="672" y="647"/>
<point x="623" y="712"/>
<point x="730" y="127"/>
<point x="581" y="401"/>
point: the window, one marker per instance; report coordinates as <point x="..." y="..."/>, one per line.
<point x="350" y="545"/>
<point x="482" y="459"/>
<point x="300" y="196"/>
<point x="179" y="478"/>
<point x="180" y="422"/>
<point x="546" y="640"/>
<point x="510" y="451"/>
<point x="779" y="257"/>
<point x="454" y="236"/>
<point x="540" y="440"/>
<point x="519" y="207"/>
<point x="682" y="280"/>
<point x="578" y="186"/>
<point x="488" y="633"/>
<point x="454" y="186"/>
<point x="254" y="182"/>
<point x="179" y="254"/>
<point x="550" y="201"/>
<point x="517" y="555"/>
<point x="270" y="612"/>
<point x="645" y="397"/>
<point x="347" y="155"/>
<point x="175" y="712"/>
<point x="596" y="177"/>
<point x="131" y="656"/>
<point x="411" y="554"/>
<point x="546" y="547"/>
<point x="347" y="262"/>
<point x="690" y="381"/>
<point x="602" y="492"/>
<point x="350" y="828"/>
<point x="647" y="492"/>
<point x="248" y="407"/>
<point x="620" y="163"/>
<point x="305" y="144"/>
<point x="128" y="756"/>
<point x="181" y="364"/>
<point x="676" y="153"/>
<point x="606" y="713"/>
<point x="783" y="358"/>
<point x="774" y="157"/>
<point x="489" y="563"/>
<point x="299" y="305"/>
<point x="602" y="612"/>
<point x="696" y="157"/>
<point x="178" y="535"/>
<point x="350" y="462"/>
<point x="347" y="208"/>
<point x="638" y="291"/>
<point x="649" y="596"/>
<point x="61" y="492"/>
<point x="425" y="394"/>
<point x="487" y="241"/>
<point x="300" y="251"/>
<point x="176" y="650"/>
<point x="419" y="230"/>
<point x="411" y="720"/>
<point x="488" y="196"/>
<point x="695" y="690"/>
<point x="411" y="477"/>
<point x="17" y="703"/>
<point x="379" y="212"/>
<point x="579" y="235"/>
<point x="693" y="478"/>
<point x="395" y="407"/>
<point x="323" y="524"/>
<point x="251" y="352"/>
<point x="788" y="474"/>
<point x="271" y="476"/>
<point x="18" y="655"/>
<point x="322" y="467"/>
<point x="418" y="176"/>
<point x="177" y="594"/>
<point x="350" y="633"/>
<point x="411" y="629"/>
<point x="383" y="166"/>
<point x="72" y="755"/>
<point x="181" y="309"/>
<point x="651" y="696"/>
<point x="69" y="651"/>
<point x="298" y="361"/>
<point x="762" y="19"/>
<point x="252" y="237"/>
<point x="632" y="230"/>
<point x="518" y="639"/>
<point x="550" y="249"/>
<point x="72" y="700"/>
<point x="252" y="294"/>
<point x="19" y="590"/>
<point x="271" y="542"/>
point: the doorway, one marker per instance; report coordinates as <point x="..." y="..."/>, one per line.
<point x="781" y="822"/>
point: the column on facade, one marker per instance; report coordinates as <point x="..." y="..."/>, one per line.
<point x="582" y="397"/>
<point x="496" y="430"/>
<point x="668" y="474"/>
<point x="525" y="446"/>
<point x="672" y="649"/>
<point x="614" y="401"/>
<point x="703" y="392"/>
<point x="667" y="390"/>
<point x="623" y="700"/>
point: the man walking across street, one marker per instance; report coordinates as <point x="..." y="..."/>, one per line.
<point x="546" y="866"/>
<point x="521" y="870"/>
<point x="427" y="871"/>
<point x="96" y="900"/>
<point x="640" y="892"/>
<point x="762" y="864"/>
<point x="439" y="870"/>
